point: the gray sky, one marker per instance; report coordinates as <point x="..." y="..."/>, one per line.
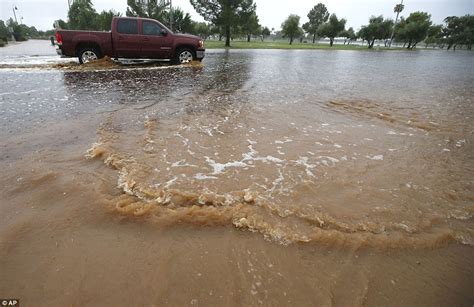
<point x="42" y="13"/>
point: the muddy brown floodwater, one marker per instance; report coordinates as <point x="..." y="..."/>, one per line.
<point x="266" y="177"/>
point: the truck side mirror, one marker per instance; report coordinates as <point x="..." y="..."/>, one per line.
<point x="164" y="32"/>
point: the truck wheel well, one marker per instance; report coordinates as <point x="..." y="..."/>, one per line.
<point x="83" y="45"/>
<point x="190" y="47"/>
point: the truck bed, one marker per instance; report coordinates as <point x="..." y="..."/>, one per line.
<point x="73" y="40"/>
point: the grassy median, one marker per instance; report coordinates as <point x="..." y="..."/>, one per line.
<point x="279" y="44"/>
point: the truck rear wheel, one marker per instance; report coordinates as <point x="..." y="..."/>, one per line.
<point x="184" y="56"/>
<point x="88" y="54"/>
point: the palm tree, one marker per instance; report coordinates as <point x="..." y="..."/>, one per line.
<point x="397" y="9"/>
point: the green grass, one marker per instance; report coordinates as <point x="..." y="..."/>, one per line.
<point x="270" y="44"/>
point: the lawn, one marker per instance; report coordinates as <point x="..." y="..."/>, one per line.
<point x="279" y="44"/>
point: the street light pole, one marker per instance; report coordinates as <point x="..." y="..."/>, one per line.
<point x="14" y="14"/>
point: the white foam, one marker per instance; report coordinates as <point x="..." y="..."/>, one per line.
<point x="182" y="163"/>
<point x="200" y="176"/>
<point x="376" y="157"/>
<point x="303" y="161"/>
<point x="220" y="167"/>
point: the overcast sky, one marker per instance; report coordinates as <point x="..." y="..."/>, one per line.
<point x="42" y="13"/>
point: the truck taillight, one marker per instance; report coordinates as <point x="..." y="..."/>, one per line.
<point x="59" y="38"/>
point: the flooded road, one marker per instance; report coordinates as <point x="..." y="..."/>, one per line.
<point x="261" y="177"/>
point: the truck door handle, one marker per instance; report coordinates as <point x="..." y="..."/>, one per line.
<point x="145" y="39"/>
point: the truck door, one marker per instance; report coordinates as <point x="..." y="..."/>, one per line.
<point x="126" y="39"/>
<point x="156" y="42"/>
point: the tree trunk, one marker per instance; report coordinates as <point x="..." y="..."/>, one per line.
<point x="414" y="45"/>
<point x="291" y="40"/>
<point x="469" y="47"/>
<point x="331" y="41"/>
<point x="409" y="44"/>
<point x="248" y="38"/>
<point x="314" y="38"/>
<point x="454" y="48"/>
<point x="227" y="35"/>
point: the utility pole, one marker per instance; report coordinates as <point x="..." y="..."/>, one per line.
<point x="396" y="19"/>
<point x="171" y="16"/>
<point x="14" y="8"/>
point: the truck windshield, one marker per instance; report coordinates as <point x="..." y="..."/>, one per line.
<point x="151" y="28"/>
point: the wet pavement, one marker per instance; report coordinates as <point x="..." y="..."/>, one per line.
<point x="275" y="165"/>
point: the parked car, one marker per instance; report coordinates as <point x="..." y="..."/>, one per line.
<point x="132" y="38"/>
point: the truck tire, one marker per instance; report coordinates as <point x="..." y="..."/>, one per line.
<point x="184" y="55"/>
<point x="88" y="54"/>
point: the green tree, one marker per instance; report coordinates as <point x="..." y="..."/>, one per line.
<point x="61" y="24"/>
<point x="467" y="35"/>
<point x="332" y="28"/>
<point x="104" y="20"/>
<point x="265" y="33"/>
<point x="435" y="35"/>
<point x="4" y="34"/>
<point x="155" y="9"/>
<point x="459" y="31"/>
<point x="224" y="13"/>
<point x="349" y="35"/>
<point x="181" y="22"/>
<point x="317" y="16"/>
<point x="378" y="28"/>
<point x="32" y="32"/>
<point x="202" y="29"/>
<point x="250" y="25"/>
<point x="82" y="15"/>
<point x="290" y="28"/>
<point x="20" y="32"/>
<point x="413" y="29"/>
<point x="397" y="9"/>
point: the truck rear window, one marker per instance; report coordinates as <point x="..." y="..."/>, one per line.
<point x="127" y="26"/>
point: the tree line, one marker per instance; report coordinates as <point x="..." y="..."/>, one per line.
<point x="410" y="31"/>
<point x="20" y="32"/>
<point x="236" y="18"/>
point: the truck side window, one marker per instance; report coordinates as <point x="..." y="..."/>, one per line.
<point x="151" y="28"/>
<point x="127" y="26"/>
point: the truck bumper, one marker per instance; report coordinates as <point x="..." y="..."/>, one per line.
<point x="200" y="54"/>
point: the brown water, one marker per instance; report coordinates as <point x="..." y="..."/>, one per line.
<point x="258" y="178"/>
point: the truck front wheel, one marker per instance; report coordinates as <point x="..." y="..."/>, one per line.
<point x="88" y="54"/>
<point x="184" y="56"/>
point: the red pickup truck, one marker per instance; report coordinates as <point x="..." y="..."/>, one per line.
<point x="131" y="37"/>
